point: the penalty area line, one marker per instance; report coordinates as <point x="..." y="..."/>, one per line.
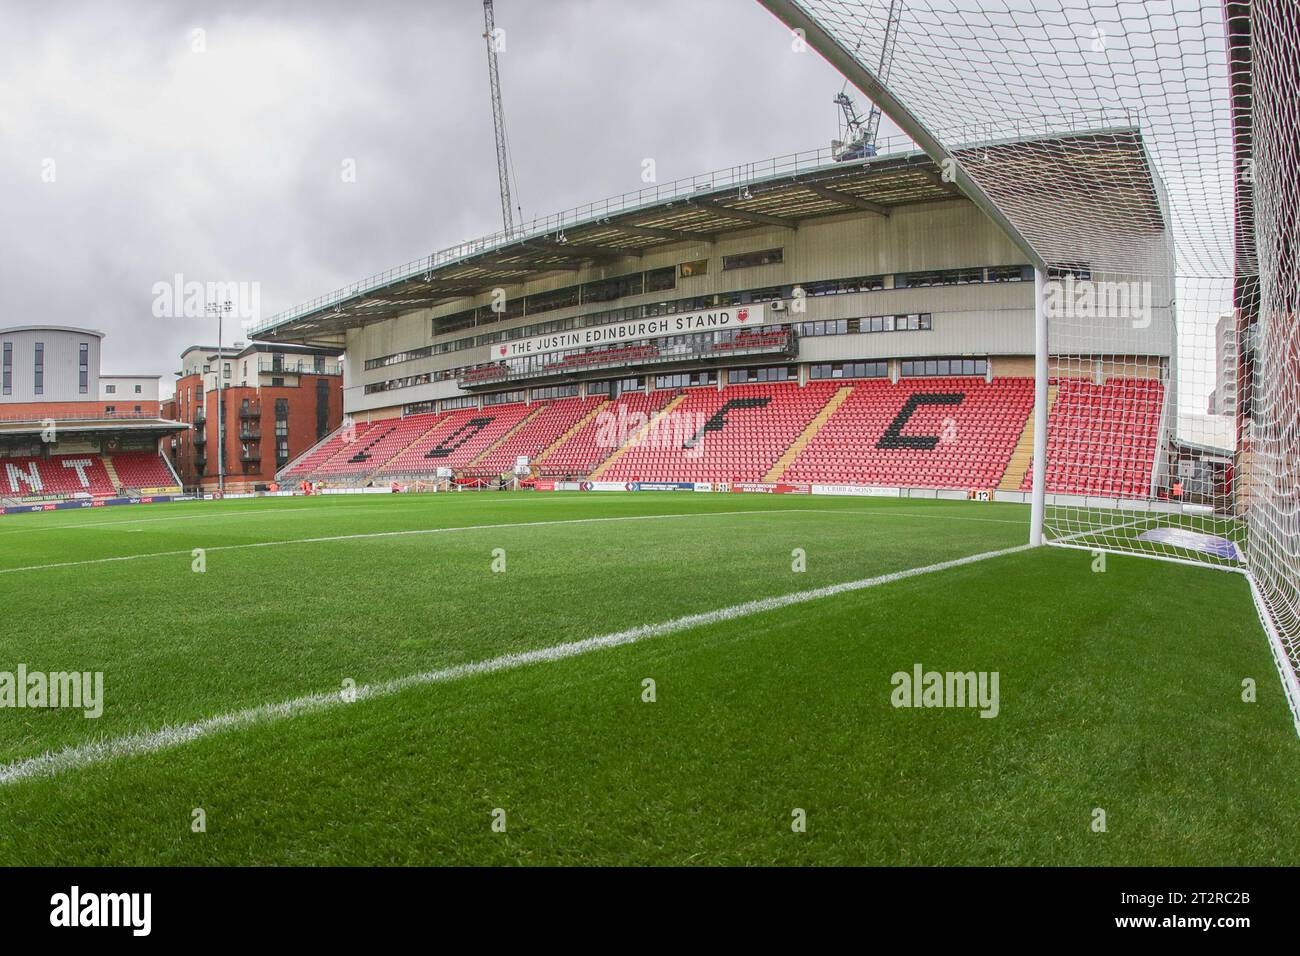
<point x="80" y="756"/>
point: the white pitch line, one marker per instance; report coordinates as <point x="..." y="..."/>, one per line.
<point x="188" y="516"/>
<point x="388" y="534"/>
<point x="912" y="514"/>
<point x="53" y="763"/>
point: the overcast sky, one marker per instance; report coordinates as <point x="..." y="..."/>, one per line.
<point x="142" y="140"/>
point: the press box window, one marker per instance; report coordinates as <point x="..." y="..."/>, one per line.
<point x="661" y="280"/>
<point x="953" y="366"/>
<point x="747" y="260"/>
<point x="696" y="267"/>
<point x="687" y="379"/>
<point x="849" y="370"/>
<point x="607" y="290"/>
<point x="780" y="373"/>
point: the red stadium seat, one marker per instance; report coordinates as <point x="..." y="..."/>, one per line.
<point x="56" y="476"/>
<point x="142" y="469"/>
<point x="1102" y="439"/>
<point x="947" y="432"/>
<point x="737" y="434"/>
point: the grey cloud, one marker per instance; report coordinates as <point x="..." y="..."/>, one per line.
<point x="225" y="165"/>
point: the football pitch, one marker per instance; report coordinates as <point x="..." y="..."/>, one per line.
<point x="627" y="679"/>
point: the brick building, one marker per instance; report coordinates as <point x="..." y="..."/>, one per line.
<point x="279" y="400"/>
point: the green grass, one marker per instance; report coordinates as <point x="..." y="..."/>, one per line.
<point x="1119" y="690"/>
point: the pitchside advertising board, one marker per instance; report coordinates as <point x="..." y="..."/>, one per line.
<point x="737" y="317"/>
<point x="92" y="503"/>
<point x="743" y="487"/>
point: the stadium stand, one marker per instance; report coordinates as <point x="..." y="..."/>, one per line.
<point x="380" y="445"/>
<point x="955" y="432"/>
<point x="458" y="439"/>
<point x="535" y="436"/>
<point x="58" y="475"/>
<point x="335" y="450"/>
<point x="941" y="432"/>
<point x="736" y="434"/>
<point x="141" y="469"/>
<point x="589" y="445"/>
<point x="1102" y="439"/>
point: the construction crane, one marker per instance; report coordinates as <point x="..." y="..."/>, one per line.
<point x="860" y="134"/>
<point x="505" y="172"/>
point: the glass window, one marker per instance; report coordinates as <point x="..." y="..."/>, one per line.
<point x="547" y="301"/>
<point x="946" y="366"/>
<point x="1010" y="273"/>
<point x="661" y="280"/>
<point x="607" y="290"/>
<point x="849" y="370"/>
<point x="554" y="391"/>
<point x="747" y="260"/>
<point x="687" y="379"/>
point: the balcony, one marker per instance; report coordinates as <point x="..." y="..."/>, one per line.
<point x="299" y="367"/>
<point x="251" y="410"/>
<point x="775" y="341"/>
<point x="200" y="439"/>
<point x="249" y="455"/>
<point x="248" y="432"/>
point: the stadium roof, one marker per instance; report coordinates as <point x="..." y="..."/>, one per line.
<point x="781" y="192"/>
<point x="26" y="429"/>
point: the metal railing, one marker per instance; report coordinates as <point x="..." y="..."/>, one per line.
<point x="107" y="416"/>
<point x="299" y="368"/>
<point x="790" y="164"/>
<point x="788" y="345"/>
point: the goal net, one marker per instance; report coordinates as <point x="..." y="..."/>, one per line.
<point x="1142" y="155"/>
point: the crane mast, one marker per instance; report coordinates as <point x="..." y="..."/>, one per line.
<point x="882" y="70"/>
<point x="860" y="135"/>
<point x="498" y="117"/>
